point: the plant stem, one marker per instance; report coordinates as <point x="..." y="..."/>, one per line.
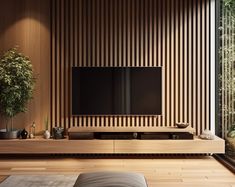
<point x="11" y="123"/>
<point x="6" y="124"/>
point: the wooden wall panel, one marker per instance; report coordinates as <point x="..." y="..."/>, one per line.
<point x="26" y="24"/>
<point x="139" y="33"/>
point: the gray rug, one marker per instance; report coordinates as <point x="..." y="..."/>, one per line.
<point x="39" y="181"/>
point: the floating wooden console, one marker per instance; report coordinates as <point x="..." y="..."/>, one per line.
<point x="42" y="146"/>
<point x="196" y="145"/>
<point x="130" y="129"/>
<point x="143" y="133"/>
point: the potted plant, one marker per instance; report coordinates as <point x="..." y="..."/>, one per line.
<point x="16" y="88"/>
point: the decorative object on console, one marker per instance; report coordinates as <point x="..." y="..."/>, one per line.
<point x="31" y="136"/>
<point x="24" y="134"/>
<point x="47" y="133"/>
<point x="207" y="135"/>
<point x="182" y="125"/>
<point x="16" y="88"/>
<point x="58" y="133"/>
<point x="4" y="134"/>
<point x="32" y="130"/>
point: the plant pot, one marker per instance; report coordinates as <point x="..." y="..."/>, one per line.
<point x="230" y="146"/>
<point x="14" y="134"/>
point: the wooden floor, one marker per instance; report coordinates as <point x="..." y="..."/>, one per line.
<point x="200" y="171"/>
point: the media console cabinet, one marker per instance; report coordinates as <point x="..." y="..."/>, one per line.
<point x="39" y="145"/>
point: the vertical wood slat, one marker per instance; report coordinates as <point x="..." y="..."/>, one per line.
<point x="58" y="62"/>
<point x="167" y="65"/>
<point x="194" y="70"/>
<point x="53" y="44"/>
<point x="76" y="45"/>
<point x="198" y="57"/>
<point x="207" y="17"/>
<point x="145" y="33"/>
<point x="176" y="59"/>
<point x="190" y="60"/>
<point x="180" y="63"/>
<point x="185" y="63"/>
<point x="172" y="63"/>
<point x="163" y="34"/>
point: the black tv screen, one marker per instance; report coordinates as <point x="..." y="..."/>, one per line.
<point x="116" y="91"/>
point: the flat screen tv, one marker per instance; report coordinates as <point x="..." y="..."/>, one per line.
<point x="116" y="91"/>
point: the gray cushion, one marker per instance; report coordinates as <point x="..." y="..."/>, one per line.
<point x="111" y="179"/>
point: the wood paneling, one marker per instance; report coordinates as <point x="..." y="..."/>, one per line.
<point x="171" y="34"/>
<point x="26" y="23"/>
<point x="167" y="33"/>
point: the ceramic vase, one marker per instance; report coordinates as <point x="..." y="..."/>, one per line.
<point x="47" y="134"/>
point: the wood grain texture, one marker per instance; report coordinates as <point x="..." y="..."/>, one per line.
<point x="168" y="171"/>
<point x="26" y="24"/>
<point x="130" y="129"/>
<point x="2" y="178"/>
<point x="169" y="146"/>
<point x="42" y="146"/>
<point x="142" y="33"/>
<point x="170" y="34"/>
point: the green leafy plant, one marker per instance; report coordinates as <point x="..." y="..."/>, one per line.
<point x="229" y="4"/>
<point x="227" y="62"/>
<point x="46" y="122"/>
<point x="16" y="83"/>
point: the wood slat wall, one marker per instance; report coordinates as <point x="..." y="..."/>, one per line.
<point x="168" y="33"/>
<point x="26" y="24"/>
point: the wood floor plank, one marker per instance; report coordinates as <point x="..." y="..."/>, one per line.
<point x="159" y="172"/>
<point x="3" y="177"/>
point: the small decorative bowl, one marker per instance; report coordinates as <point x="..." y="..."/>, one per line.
<point x="182" y="125"/>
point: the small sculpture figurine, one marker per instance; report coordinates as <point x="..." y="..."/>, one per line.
<point x="31" y="136"/>
<point x="47" y="134"/>
<point x="58" y="133"/>
<point x="24" y="134"/>
<point x="32" y="130"/>
<point x="207" y="135"/>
